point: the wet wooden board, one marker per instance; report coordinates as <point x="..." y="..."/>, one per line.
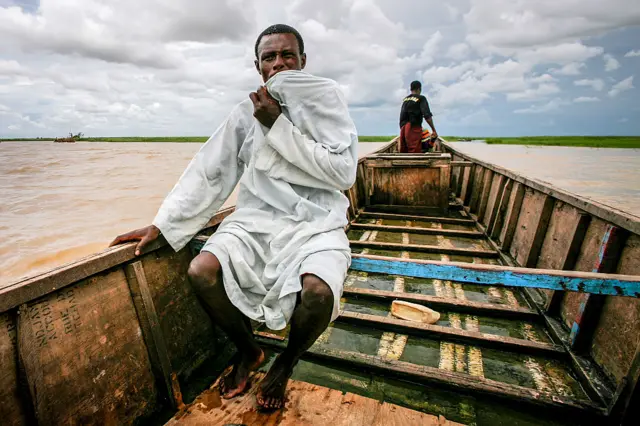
<point x="11" y="410"/>
<point x="307" y="404"/>
<point x="461" y="382"/>
<point x="418" y="230"/>
<point x="587" y="258"/>
<point x="495" y="194"/>
<point x="511" y="216"/>
<point x="426" y="185"/>
<point x="451" y="334"/>
<point x="561" y="245"/>
<point x="491" y="309"/>
<point x="425" y="248"/>
<point x="84" y="356"/>
<point x="476" y="190"/>
<point x="486" y="189"/>
<point x="153" y="336"/>
<point x="575" y="281"/>
<point x="437" y="219"/>
<point x="186" y="328"/>
<point x="531" y="227"/>
<point x="618" y="328"/>
<point x="495" y="227"/>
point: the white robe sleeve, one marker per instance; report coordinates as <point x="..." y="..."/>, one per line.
<point x="206" y="183"/>
<point x="323" y="154"/>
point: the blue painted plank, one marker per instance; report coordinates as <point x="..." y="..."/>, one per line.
<point x="627" y="286"/>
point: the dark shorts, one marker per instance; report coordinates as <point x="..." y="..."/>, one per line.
<point x="411" y="139"/>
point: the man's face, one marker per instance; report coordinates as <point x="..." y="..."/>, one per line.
<point x="279" y="52"/>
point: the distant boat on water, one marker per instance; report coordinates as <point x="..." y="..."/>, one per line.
<point x="71" y="138"/>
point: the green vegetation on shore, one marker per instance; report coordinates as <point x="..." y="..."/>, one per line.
<point x="581" y="141"/>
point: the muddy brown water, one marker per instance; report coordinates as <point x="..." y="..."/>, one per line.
<point x="60" y="202"/>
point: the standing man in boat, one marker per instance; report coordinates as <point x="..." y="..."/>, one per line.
<point x="414" y="108"/>
<point x="283" y="255"/>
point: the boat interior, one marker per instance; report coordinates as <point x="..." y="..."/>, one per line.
<point x="537" y="291"/>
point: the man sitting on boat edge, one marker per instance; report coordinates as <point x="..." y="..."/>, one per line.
<point x="414" y="107"/>
<point x="282" y="255"/>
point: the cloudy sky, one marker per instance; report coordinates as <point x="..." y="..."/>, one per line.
<point x="168" y="67"/>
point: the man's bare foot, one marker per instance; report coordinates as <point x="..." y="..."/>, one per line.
<point x="235" y="381"/>
<point x="273" y="386"/>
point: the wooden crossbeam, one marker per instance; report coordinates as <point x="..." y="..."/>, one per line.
<point x="437" y="219"/>
<point x="458" y="382"/>
<point x="451" y="334"/>
<point x="152" y="333"/>
<point x="410" y="210"/>
<point x="479" y="308"/>
<point x="418" y="230"/>
<point x="425" y="249"/>
<point x="590" y="309"/>
<point x="586" y="282"/>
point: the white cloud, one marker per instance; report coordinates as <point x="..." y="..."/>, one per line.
<point x="565" y="53"/>
<point x="536" y="93"/>
<point x="155" y="67"/>
<point x="138" y="32"/>
<point x="596" y="83"/>
<point x="622" y="86"/>
<point x="458" y="51"/>
<point x="445" y="74"/>
<point x="632" y="54"/>
<point x="610" y="63"/>
<point x="481" y="117"/>
<point x="481" y="82"/>
<point x="623" y="120"/>
<point x="453" y="11"/>
<point x="504" y="26"/>
<point x="573" y="68"/>
<point x="544" y="78"/>
<point x="586" y="99"/>
<point x="13" y="127"/>
<point x="550" y="106"/>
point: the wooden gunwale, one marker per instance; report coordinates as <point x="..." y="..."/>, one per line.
<point x="609" y="214"/>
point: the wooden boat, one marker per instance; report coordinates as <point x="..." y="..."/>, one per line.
<point x="537" y="291"/>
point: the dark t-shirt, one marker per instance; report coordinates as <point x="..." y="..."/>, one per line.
<point x="413" y="109"/>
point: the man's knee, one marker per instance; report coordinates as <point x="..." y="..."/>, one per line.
<point x="316" y="294"/>
<point x="204" y="271"/>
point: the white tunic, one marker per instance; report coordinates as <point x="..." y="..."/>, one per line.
<point x="290" y="211"/>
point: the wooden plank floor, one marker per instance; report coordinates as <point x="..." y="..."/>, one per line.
<point x="307" y="404"/>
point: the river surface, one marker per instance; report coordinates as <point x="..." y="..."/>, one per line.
<point x="60" y="202"/>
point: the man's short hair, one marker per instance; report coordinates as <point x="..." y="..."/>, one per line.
<point x="416" y="85"/>
<point x="280" y="29"/>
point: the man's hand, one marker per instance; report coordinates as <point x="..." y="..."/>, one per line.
<point x="434" y="135"/>
<point x="143" y="235"/>
<point x="265" y="108"/>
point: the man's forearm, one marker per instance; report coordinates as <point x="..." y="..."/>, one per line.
<point x="430" y="121"/>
